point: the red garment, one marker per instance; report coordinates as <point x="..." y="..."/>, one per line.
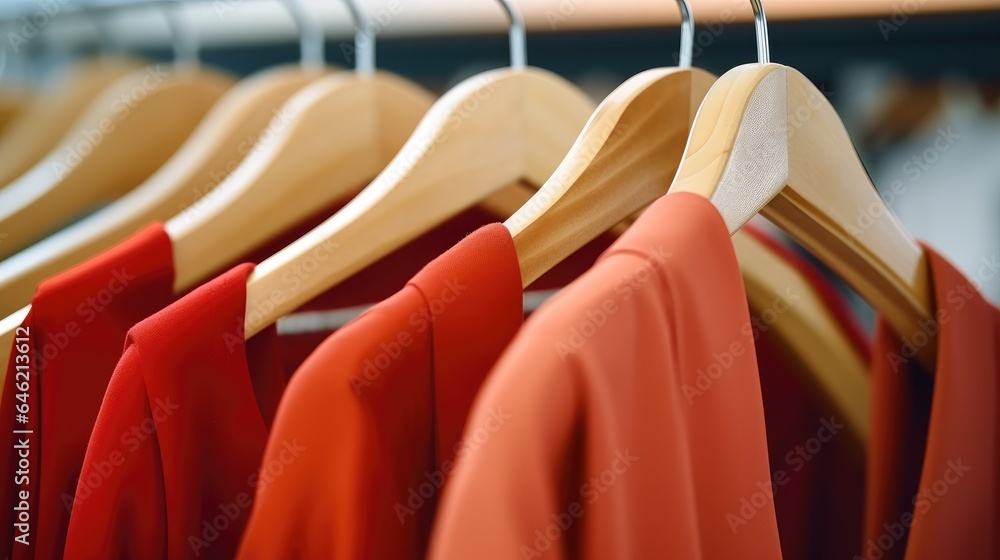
<point x="636" y="427"/>
<point x="77" y="326"/>
<point x="180" y="408"/>
<point x="934" y="455"/>
<point x="380" y="408"/>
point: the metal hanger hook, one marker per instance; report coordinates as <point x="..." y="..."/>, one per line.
<point x="311" y="38"/>
<point x="687" y="34"/>
<point x="518" y="36"/>
<point x="760" y="23"/>
<point x="186" y="47"/>
<point x="364" y="42"/>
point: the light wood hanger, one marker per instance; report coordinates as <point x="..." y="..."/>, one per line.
<point x="491" y="131"/>
<point x="37" y="130"/>
<point x="625" y="159"/>
<point x="766" y="140"/>
<point x="219" y="143"/>
<point x="217" y="146"/>
<point x="127" y="132"/>
<point x="331" y="137"/>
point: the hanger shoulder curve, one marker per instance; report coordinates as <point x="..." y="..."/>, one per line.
<point x="767" y="140"/>
<point x="622" y="161"/>
<point x="328" y="139"/>
<point x="221" y="141"/>
<point x="489" y="132"/>
<point x="45" y="121"/>
<point x="128" y="132"/>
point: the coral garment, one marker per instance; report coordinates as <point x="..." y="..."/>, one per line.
<point x="934" y="458"/>
<point x="77" y="325"/>
<point x="636" y="420"/>
<point x="380" y="408"/>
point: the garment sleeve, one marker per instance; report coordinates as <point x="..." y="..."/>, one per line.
<point x="119" y="509"/>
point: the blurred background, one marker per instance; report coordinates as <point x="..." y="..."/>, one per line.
<point x="917" y="82"/>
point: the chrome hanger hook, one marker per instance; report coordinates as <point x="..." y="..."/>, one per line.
<point x="186" y="47"/>
<point x="311" y="38"/>
<point x="687" y="34"/>
<point x="518" y="36"/>
<point x="364" y="44"/>
<point x="760" y="23"/>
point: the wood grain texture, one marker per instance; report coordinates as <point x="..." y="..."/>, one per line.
<point x="623" y="160"/>
<point x="332" y="136"/>
<point x="39" y="127"/>
<point x="125" y="135"/>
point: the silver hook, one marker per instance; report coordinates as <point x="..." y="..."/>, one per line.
<point x="364" y="46"/>
<point x="518" y="37"/>
<point x="760" y="23"/>
<point x="186" y="47"/>
<point x="687" y="34"/>
<point x="311" y="39"/>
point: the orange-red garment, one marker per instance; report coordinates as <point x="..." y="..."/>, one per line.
<point x="379" y="409"/>
<point x="72" y="340"/>
<point x="635" y="426"/>
<point x="934" y="453"/>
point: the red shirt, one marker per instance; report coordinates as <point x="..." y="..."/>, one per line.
<point x="379" y="408"/>
<point x="77" y="325"/>
<point x="934" y="456"/>
<point x="636" y="426"/>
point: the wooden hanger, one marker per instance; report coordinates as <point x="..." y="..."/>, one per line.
<point x="621" y="162"/>
<point x="766" y="140"/>
<point x="331" y="137"/>
<point x="219" y="143"/>
<point x="489" y="132"/>
<point x="36" y="130"/>
<point x="217" y="146"/>
<point x="625" y="159"/>
<point x="127" y="133"/>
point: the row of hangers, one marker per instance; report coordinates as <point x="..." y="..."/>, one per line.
<point x="520" y="154"/>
